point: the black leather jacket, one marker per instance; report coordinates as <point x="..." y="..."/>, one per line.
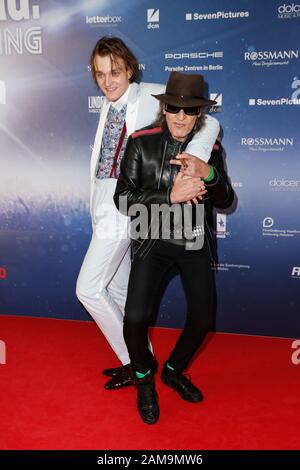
<point x="146" y="177"/>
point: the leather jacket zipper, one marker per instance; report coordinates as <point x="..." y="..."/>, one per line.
<point x="162" y="164"/>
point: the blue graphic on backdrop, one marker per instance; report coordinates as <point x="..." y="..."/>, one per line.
<point x="249" y="54"/>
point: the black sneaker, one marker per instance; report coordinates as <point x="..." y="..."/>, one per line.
<point x="181" y="384"/>
<point x="147" y="399"/>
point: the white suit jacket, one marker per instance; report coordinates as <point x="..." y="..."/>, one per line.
<point x="142" y="109"/>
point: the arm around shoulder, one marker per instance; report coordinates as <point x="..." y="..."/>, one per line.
<point x="202" y="144"/>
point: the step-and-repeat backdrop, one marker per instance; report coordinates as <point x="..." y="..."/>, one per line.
<point x="248" y="52"/>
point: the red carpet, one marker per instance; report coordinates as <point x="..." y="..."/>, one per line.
<point x="52" y="394"/>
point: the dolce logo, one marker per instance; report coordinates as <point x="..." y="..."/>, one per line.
<point x="285" y="183"/>
<point x="289" y="8"/>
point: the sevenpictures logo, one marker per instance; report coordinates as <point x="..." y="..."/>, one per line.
<point x="293" y="100"/>
<point x="288" y="11"/>
<point x="19" y="40"/>
<point x="267" y="144"/>
<point x="218" y="15"/>
<point x="153" y="18"/>
<point x="270" y="58"/>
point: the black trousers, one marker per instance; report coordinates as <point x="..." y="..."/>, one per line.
<point x="145" y="281"/>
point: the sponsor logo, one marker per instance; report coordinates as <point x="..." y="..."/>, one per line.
<point x="218" y="97"/>
<point x="103" y="20"/>
<point x="293" y="100"/>
<point x="270" y="58"/>
<point x="20" y="40"/>
<point x="267" y="144"/>
<point x="229" y="266"/>
<point x="2" y="92"/>
<point x="194" y="55"/>
<point x="153" y="18"/>
<point x="287" y="11"/>
<point x="142" y="66"/>
<point x="237" y="184"/>
<point x="2" y="352"/>
<point x="3" y="272"/>
<point x="95" y="103"/>
<point x="271" y="231"/>
<point x="274" y="102"/>
<point x="296" y="272"/>
<point x="218" y="15"/>
<point x="221" y="224"/>
<point x="295" y="358"/>
<point x="10" y="11"/>
<point x="268" y="222"/>
<point x="284" y="185"/>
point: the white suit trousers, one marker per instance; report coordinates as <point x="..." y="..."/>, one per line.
<point x="103" y="278"/>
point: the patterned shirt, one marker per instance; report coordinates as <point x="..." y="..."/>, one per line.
<point x="111" y="135"/>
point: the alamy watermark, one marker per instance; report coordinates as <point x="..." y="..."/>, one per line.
<point x="153" y="221"/>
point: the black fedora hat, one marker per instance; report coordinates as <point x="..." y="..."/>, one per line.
<point x="184" y="90"/>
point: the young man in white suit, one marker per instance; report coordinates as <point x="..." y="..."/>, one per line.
<point x="126" y="106"/>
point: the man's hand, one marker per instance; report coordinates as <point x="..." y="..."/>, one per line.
<point x="186" y="189"/>
<point x="191" y="165"/>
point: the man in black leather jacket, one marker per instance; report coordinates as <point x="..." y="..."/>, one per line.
<point x="149" y="176"/>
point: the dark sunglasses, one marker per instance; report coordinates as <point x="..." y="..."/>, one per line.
<point x="189" y="110"/>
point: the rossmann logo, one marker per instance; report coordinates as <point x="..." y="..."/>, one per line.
<point x="194" y="55"/>
<point x="19" y="40"/>
<point x="267" y="144"/>
<point x="289" y="10"/>
<point x="270" y="58"/>
<point x="218" y="15"/>
<point x="153" y="18"/>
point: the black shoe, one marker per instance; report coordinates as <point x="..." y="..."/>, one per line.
<point x="116" y="370"/>
<point x="122" y="378"/>
<point x="113" y="370"/>
<point x="181" y="384"/>
<point x="147" y="399"/>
